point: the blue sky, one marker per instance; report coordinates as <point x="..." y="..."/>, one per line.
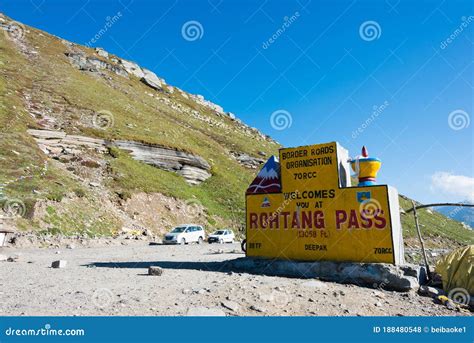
<point x="328" y="68"/>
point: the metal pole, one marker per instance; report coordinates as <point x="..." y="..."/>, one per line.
<point x="441" y="204"/>
<point x="421" y="241"/>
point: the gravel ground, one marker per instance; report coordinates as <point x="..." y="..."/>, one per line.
<point x="113" y="280"/>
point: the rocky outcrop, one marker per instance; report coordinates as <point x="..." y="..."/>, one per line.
<point x="132" y="68"/>
<point x="194" y="169"/>
<point x="93" y="64"/>
<point x="150" y="79"/>
<point x="102" y="53"/>
<point x="53" y="142"/>
<point x="121" y="67"/>
<point x="247" y="160"/>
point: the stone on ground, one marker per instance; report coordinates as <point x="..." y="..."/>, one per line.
<point x="231" y="305"/>
<point x="430" y="291"/>
<point x="155" y="270"/>
<point x="59" y="264"/>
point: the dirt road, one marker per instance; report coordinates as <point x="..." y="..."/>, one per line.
<point x="113" y="280"/>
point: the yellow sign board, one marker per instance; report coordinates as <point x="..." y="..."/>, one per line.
<point x="309" y="167"/>
<point x="314" y="218"/>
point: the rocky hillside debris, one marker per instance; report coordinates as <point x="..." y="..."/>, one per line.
<point x="93" y="64"/>
<point x="192" y="167"/>
<point x="183" y="93"/>
<point x="199" y="99"/>
<point x="16" y="33"/>
<point x="23" y="239"/>
<point x="136" y="232"/>
<point x="6" y="25"/>
<point x="203" y="102"/>
<point x="246" y="160"/>
<point x="207" y="119"/>
<point x="159" y="212"/>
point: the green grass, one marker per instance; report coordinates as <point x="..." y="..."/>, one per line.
<point x="434" y="227"/>
<point x="21" y="160"/>
<point x="71" y="220"/>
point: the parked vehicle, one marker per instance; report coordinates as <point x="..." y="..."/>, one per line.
<point x="186" y="233"/>
<point x="222" y="236"/>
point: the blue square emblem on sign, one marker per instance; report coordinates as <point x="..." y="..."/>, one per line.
<point x="363" y="196"/>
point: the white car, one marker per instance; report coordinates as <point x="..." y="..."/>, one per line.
<point x="187" y="233"/>
<point x="222" y="236"/>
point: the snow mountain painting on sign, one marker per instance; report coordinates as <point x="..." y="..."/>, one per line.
<point x="268" y="179"/>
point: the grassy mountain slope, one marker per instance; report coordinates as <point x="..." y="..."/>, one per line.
<point x="437" y="230"/>
<point x="36" y="76"/>
<point x="49" y="80"/>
